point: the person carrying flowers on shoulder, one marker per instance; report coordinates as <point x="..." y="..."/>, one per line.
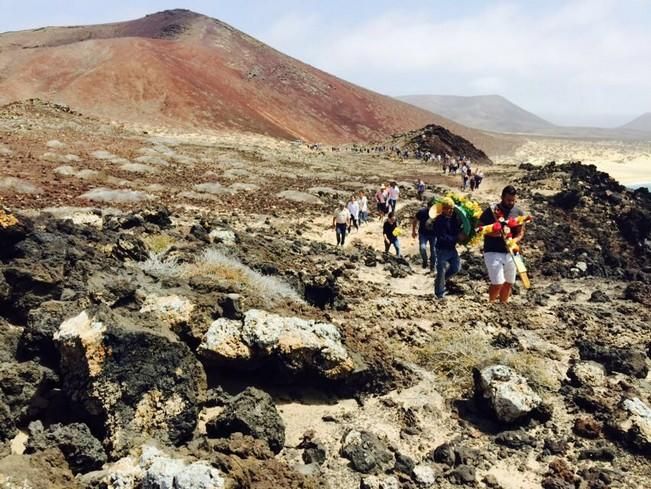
<point x="447" y="233"/>
<point x="499" y="262"/>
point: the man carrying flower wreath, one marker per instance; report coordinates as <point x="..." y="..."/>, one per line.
<point x="499" y="262"/>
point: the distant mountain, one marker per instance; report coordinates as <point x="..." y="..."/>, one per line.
<point x="184" y="70"/>
<point x="487" y="112"/>
<point x="642" y="123"/>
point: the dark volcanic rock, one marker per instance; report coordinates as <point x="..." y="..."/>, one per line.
<point x="515" y="439"/>
<point x="43" y="322"/>
<point x="13" y="229"/>
<point x="625" y="360"/>
<point x="136" y="382"/>
<point x="566" y="199"/>
<point x="587" y="428"/>
<point x="438" y="140"/>
<point x="251" y="413"/>
<point x="367" y="453"/>
<point x="82" y="450"/>
<point x="30" y="285"/>
<point x="130" y="247"/>
<point x="638" y="292"/>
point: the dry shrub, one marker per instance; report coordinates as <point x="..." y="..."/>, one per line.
<point x="453" y="354"/>
<point x="158" y="243"/>
<point x="160" y="266"/>
<point x="263" y="289"/>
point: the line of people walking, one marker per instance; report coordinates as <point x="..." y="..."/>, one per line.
<point x="438" y="236"/>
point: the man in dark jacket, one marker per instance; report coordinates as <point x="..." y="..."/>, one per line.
<point x="447" y="230"/>
<point x="425" y="227"/>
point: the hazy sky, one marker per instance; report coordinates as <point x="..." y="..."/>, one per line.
<point x="571" y="61"/>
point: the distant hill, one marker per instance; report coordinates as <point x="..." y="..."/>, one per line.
<point x="487" y="112"/>
<point x="185" y="70"/>
<point x="642" y="123"/>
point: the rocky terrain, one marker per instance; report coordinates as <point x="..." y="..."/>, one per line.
<point x="175" y="314"/>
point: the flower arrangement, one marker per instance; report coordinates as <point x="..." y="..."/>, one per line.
<point x="468" y="211"/>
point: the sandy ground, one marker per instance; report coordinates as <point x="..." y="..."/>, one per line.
<point x="627" y="162"/>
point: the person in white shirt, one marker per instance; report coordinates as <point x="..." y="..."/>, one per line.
<point x="363" y="207"/>
<point x="394" y="193"/>
<point x="381" y="199"/>
<point x="341" y="222"/>
<point x="353" y="208"/>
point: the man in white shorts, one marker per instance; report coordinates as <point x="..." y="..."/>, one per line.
<point x="499" y="262"/>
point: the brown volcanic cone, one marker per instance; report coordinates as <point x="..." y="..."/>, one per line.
<point x="181" y="69"/>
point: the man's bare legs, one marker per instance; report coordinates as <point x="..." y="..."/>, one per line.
<point x="505" y="292"/>
<point x="494" y="292"/>
<point x="500" y="291"/>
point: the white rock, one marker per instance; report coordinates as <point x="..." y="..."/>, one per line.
<point x="508" y="392"/>
<point x="589" y="373"/>
<point x="297" y="196"/>
<point x="299" y="343"/>
<point x="424" y="475"/>
<point x="224" y="340"/>
<point x="225" y="236"/>
<point x="172" y="309"/>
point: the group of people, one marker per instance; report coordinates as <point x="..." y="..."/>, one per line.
<point x="386" y="198"/>
<point x="439" y="235"/>
<point x="349" y="215"/>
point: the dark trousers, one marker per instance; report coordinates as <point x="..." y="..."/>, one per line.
<point x="341" y="233"/>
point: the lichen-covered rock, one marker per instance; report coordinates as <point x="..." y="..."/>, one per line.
<point x="366" y="451"/>
<point x="251" y="412"/>
<point x="632" y="424"/>
<point x="154" y="469"/>
<point x="299" y="345"/>
<point x="81" y="449"/>
<point x="587" y="373"/>
<point x="139" y="382"/>
<point x="507" y="393"/>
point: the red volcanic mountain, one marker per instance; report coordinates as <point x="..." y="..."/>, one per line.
<point x="181" y="69"/>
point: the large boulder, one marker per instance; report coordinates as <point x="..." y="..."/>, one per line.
<point x="23" y="386"/>
<point x="298" y="345"/>
<point x="81" y="449"/>
<point x="251" y="412"/>
<point x="507" y="393"/>
<point x="137" y="382"/>
<point x="367" y="452"/>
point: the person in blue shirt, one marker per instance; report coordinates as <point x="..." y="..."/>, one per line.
<point x="447" y="231"/>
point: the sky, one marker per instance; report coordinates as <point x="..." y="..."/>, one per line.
<point x="574" y="62"/>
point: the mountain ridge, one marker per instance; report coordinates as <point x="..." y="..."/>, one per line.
<point x="183" y="69"/>
<point x="485" y="112"/>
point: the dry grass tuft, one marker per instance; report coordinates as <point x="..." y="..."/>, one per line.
<point x="160" y="266"/>
<point x="158" y="243"/>
<point x="453" y="354"/>
<point x="261" y="289"/>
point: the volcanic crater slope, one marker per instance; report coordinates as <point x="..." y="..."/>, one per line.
<point x="182" y="69"/>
